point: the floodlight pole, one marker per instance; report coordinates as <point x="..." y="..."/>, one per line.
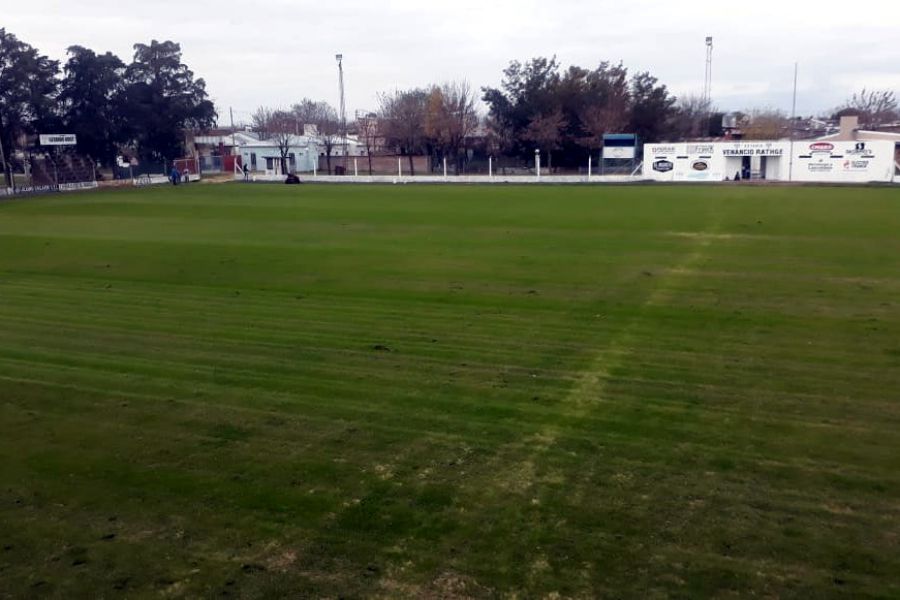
<point x="793" y="123"/>
<point x="340" y="62"/>
<point x="707" y="82"/>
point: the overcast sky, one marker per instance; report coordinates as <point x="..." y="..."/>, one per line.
<point x="278" y="51"/>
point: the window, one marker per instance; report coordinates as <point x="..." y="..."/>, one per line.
<point x="270" y="163"/>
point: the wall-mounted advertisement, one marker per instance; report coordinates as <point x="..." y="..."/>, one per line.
<point x="813" y="161"/>
<point x="848" y="162"/>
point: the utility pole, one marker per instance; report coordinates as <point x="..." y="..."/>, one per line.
<point x="340" y="62"/>
<point x="793" y="123"/>
<point x="233" y="145"/>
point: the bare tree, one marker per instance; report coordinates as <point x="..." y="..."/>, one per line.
<point x="403" y="116"/>
<point x="451" y="118"/>
<point x="545" y="131"/>
<point x="874" y="107"/>
<point x="765" y="124"/>
<point x="325" y="118"/>
<point x="367" y="125"/>
<point x="278" y="126"/>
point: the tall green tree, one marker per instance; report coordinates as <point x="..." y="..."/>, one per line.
<point x="28" y="90"/>
<point x="161" y="98"/>
<point x="605" y="104"/>
<point x="91" y="100"/>
<point x="651" y="107"/>
<point x="528" y="92"/>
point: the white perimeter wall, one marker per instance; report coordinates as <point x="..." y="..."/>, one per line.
<point x="851" y="162"/>
<point x="827" y="162"/>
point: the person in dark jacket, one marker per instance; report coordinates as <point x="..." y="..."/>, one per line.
<point x="175" y="176"/>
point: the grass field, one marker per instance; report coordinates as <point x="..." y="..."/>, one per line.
<point x="622" y="392"/>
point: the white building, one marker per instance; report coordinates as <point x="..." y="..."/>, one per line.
<point x="304" y="154"/>
<point x="783" y="160"/>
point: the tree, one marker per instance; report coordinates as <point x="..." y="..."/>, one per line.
<point x="278" y="126"/>
<point x="450" y="119"/>
<point x="545" y="131"/>
<point x="528" y="91"/>
<point x="325" y="118"/>
<point x="691" y="118"/>
<point x="90" y="97"/>
<point x="403" y="115"/>
<point x="874" y="107"/>
<point x="605" y="103"/>
<point x="651" y="107"/>
<point x="161" y="98"/>
<point x="368" y="134"/>
<point x="28" y="90"/>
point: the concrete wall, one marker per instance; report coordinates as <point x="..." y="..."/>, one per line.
<point x="708" y="161"/>
<point x="381" y="164"/>
<point x="812" y="161"/>
<point x="844" y="162"/>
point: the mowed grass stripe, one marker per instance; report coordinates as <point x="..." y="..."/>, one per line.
<point x="624" y="392"/>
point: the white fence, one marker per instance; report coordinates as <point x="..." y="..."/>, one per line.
<point x="459" y="179"/>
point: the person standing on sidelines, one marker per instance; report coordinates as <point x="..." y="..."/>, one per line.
<point x="174" y="175"/>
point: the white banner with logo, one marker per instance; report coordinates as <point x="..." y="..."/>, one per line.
<point x="619" y="152"/>
<point x="58" y="139"/>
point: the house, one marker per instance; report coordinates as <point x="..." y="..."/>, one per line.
<point x="850" y="132"/>
<point x="215" y="148"/>
<point x="217" y="141"/>
<point x="305" y="153"/>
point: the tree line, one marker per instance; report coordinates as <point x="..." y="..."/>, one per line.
<point x="144" y="105"/>
<point x="566" y="113"/>
<point x="437" y="120"/>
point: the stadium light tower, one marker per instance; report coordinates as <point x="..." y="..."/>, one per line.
<point x="707" y="84"/>
<point x="340" y="63"/>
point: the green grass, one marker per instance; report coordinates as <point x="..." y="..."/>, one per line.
<point x="622" y="392"/>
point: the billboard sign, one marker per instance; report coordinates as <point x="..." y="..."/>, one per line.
<point x="58" y="139"/>
<point x="619" y="152"/>
<point x="663" y="166"/>
<point x="821" y="147"/>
